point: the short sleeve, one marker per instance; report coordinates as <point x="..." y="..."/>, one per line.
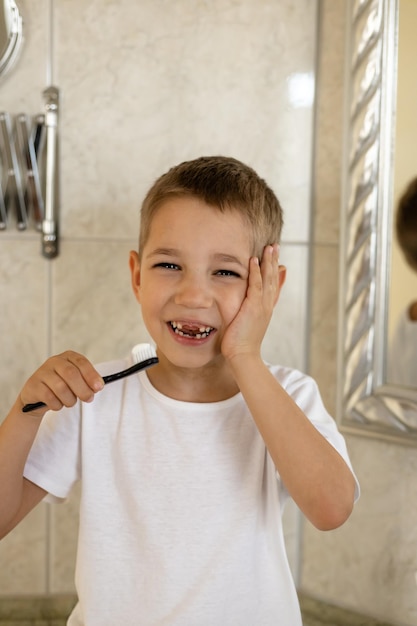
<point x="304" y="391"/>
<point x="54" y="459"/>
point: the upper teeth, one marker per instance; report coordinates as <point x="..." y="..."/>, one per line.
<point x="203" y="331"/>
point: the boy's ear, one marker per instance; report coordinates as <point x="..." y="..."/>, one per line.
<point x="282" y="274"/>
<point x="134" y="265"/>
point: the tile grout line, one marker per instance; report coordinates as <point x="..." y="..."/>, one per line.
<point x="48" y="346"/>
<point x="49" y="544"/>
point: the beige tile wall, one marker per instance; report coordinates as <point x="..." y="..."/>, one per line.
<point x="143" y="86"/>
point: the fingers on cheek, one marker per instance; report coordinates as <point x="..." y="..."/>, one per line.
<point x="272" y="252"/>
<point x="256" y="276"/>
<point x="269" y="257"/>
<point x="269" y="264"/>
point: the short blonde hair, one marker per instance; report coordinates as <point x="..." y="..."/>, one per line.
<point x="224" y="183"/>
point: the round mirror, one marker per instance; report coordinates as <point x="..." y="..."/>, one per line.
<point x="10" y="34"/>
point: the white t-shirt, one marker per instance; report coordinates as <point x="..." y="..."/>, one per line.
<point x="180" y="514"/>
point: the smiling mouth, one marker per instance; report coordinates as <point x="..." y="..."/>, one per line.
<point x="193" y="331"/>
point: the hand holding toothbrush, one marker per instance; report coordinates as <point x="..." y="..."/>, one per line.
<point x="59" y="382"/>
<point x="69" y="376"/>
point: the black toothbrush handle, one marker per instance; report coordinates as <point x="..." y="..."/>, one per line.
<point x="32" y="407"/>
<point x="107" y="379"/>
<point x="143" y="365"/>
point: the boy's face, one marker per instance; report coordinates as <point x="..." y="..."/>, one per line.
<point x="192" y="278"/>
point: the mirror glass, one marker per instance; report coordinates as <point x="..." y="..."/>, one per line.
<point x="10" y="34"/>
<point x="402" y="331"/>
<point x="369" y="403"/>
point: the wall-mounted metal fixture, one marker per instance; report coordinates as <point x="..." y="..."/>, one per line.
<point x="29" y="143"/>
<point x="50" y="222"/>
<point x="29" y="181"/>
<point x="13" y="188"/>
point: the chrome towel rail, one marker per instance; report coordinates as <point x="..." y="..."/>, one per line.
<point x="50" y="222"/>
<point x="29" y="181"/>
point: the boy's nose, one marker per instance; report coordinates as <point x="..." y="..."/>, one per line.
<point x="193" y="293"/>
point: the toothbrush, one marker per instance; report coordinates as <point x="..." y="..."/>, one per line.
<point x="144" y="356"/>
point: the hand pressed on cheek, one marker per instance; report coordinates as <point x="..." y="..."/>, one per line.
<point x="246" y="332"/>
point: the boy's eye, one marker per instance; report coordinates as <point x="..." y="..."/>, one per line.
<point x="168" y="266"/>
<point x="227" y="273"/>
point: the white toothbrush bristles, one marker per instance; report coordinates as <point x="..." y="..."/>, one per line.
<point x="143" y="352"/>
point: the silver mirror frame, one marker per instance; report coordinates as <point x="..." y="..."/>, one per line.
<point x="367" y="405"/>
<point x="11" y="31"/>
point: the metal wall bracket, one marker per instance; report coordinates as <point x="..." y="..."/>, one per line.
<point x="29" y="172"/>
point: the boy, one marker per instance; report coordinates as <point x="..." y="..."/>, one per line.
<point x="185" y="468"/>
